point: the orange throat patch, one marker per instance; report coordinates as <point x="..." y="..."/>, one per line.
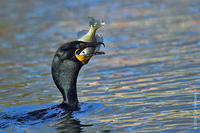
<point x="82" y="59"/>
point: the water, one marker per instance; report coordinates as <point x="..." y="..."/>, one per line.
<point x="148" y="81"/>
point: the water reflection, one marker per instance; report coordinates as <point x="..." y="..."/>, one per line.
<point x="69" y="124"/>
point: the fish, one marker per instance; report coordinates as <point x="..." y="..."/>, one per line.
<point x="90" y="35"/>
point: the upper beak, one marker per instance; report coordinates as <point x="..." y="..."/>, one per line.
<point x="92" y="45"/>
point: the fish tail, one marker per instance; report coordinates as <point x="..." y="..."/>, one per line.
<point x="95" y="23"/>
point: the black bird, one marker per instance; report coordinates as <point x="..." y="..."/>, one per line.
<point x="67" y="62"/>
<point x="69" y="59"/>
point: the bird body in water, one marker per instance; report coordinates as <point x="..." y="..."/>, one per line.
<point x="70" y="57"/>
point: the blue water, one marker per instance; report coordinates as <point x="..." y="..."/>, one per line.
<point x="148" y="81"/>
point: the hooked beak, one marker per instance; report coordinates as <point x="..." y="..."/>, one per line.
<point x="94" y="48"/>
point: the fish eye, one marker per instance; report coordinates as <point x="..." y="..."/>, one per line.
<point x="82" y="53"/>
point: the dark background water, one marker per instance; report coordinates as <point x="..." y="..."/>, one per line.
<point x="148" y="81"/>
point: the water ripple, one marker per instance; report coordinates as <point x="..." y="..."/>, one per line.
<point x="147" y="82"/>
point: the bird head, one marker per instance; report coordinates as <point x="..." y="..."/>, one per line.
<point x="79" y="51"/>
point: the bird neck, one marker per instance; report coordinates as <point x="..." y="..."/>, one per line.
<point x="68" y="83"/>
<point x="65" y="77"/>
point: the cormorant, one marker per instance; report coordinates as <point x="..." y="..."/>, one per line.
<point x="70" y="57"/>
